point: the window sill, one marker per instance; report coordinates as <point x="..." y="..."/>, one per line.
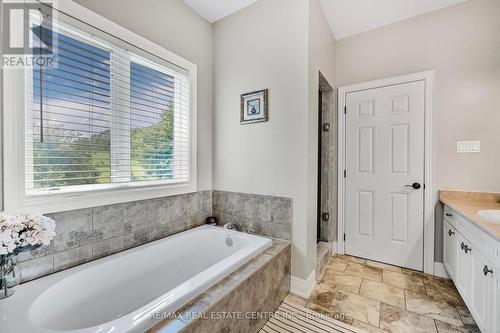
<point x="57" y="202"/>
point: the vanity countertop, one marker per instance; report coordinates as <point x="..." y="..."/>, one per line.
<point x="468" y="204"/>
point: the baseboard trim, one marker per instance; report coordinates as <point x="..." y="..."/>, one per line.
<point x="440" y="271"/>
<point x="334" y="248"/>
<point x="301" y="287"/>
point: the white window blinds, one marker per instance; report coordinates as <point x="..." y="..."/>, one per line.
<point x="108" y="115"/>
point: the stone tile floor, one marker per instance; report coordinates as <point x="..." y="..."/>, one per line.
<point x="377" y="297"/>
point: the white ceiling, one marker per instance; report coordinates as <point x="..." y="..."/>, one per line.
<point x="214" y="10"/>
<point x="346" y="17"/>
<point x="351" y="17"/>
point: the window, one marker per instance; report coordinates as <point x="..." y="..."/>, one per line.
<point x="69" y="118"/>
<point x="109" y="117"/>
<point x="152" y="123"/>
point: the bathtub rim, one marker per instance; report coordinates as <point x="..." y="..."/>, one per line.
<point x="29" y="292"/>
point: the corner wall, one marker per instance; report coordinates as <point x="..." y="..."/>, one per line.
<point x="321" y="43"/>
<point x="265" y="46"/>
<point x="321" y="58"/>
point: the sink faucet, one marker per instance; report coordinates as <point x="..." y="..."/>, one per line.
<point x="233" y="226"/>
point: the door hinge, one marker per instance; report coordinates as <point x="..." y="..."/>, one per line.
<point x="345" y="109"/>
<point x="345" y="173"/>
<point x="344" y="237"/>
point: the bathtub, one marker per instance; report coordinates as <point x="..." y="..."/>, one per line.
<point x="122" y="292"/>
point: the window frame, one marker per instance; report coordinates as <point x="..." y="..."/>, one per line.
<point x="14" y="190"/>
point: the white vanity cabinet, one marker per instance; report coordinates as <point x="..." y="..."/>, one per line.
<point x="462" y="280"/>
<point x="450" y="250"/>
<point x="472" y="259"/>
<point x="496" y="306"/>
<point x="496" y="293"/>
<point x="481" y="289"/>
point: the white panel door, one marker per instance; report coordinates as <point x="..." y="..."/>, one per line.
<point x="384" y="158"/>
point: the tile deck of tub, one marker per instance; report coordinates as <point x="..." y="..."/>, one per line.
<point x="235" y="287"/>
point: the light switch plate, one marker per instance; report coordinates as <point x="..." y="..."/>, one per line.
<point x="468" y="147"/>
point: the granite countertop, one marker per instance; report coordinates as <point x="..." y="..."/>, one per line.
<point x="468" y="204"/>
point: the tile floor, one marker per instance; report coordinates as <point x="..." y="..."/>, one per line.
<point x="377" y="297"/>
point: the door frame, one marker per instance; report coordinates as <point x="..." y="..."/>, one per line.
<point x="430" y="193"/>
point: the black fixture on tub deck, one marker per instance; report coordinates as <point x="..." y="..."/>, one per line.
<point x="212" y="220"/>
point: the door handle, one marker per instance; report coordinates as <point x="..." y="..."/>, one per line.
<point x="414" y="186"/>
<point x="450" y="233"/>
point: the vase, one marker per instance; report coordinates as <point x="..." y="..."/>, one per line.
<point x="10" y="276"/>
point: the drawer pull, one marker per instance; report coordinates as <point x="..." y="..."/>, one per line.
<point x="449" y="215"/>
<point x="466" y="248"/>
<point x="486" y="270"/>
<point x="450" y="233"/>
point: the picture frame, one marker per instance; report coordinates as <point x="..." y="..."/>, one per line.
<point x="254" y="107"/>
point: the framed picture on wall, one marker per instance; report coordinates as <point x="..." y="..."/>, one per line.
<point x="254" y="107"/>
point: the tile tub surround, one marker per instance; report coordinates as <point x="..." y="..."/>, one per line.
<point x="377" y="297"/>
<point x="323" y="253"/>
<point x="265" y="215"/>
<point x="259" y="286"/>
<point x="87" y="234"/>
<point x="328" y="163"/>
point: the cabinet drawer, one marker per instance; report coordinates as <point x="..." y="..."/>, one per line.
<point x="495" y="253"/>
<point x="482" y="289"/>
<point x="450" y="249"/>
<point x="479" y="239"/>
<point x="450" y="216"/>
<point x="463" y="269"/>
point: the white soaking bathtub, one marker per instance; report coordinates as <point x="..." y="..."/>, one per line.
<point x="120" y="293"/>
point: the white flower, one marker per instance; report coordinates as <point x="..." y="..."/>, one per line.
<point x="3" y="217"/>
<point x="24" y="230"/>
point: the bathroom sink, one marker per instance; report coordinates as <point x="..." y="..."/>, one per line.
<point x="492" y="216"/>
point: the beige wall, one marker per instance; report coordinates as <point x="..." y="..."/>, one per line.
<point x="264" y="46"/>
<point x="462" y="44"/>
<point x="321" y="46"/>
<point x="176" y="27"/>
